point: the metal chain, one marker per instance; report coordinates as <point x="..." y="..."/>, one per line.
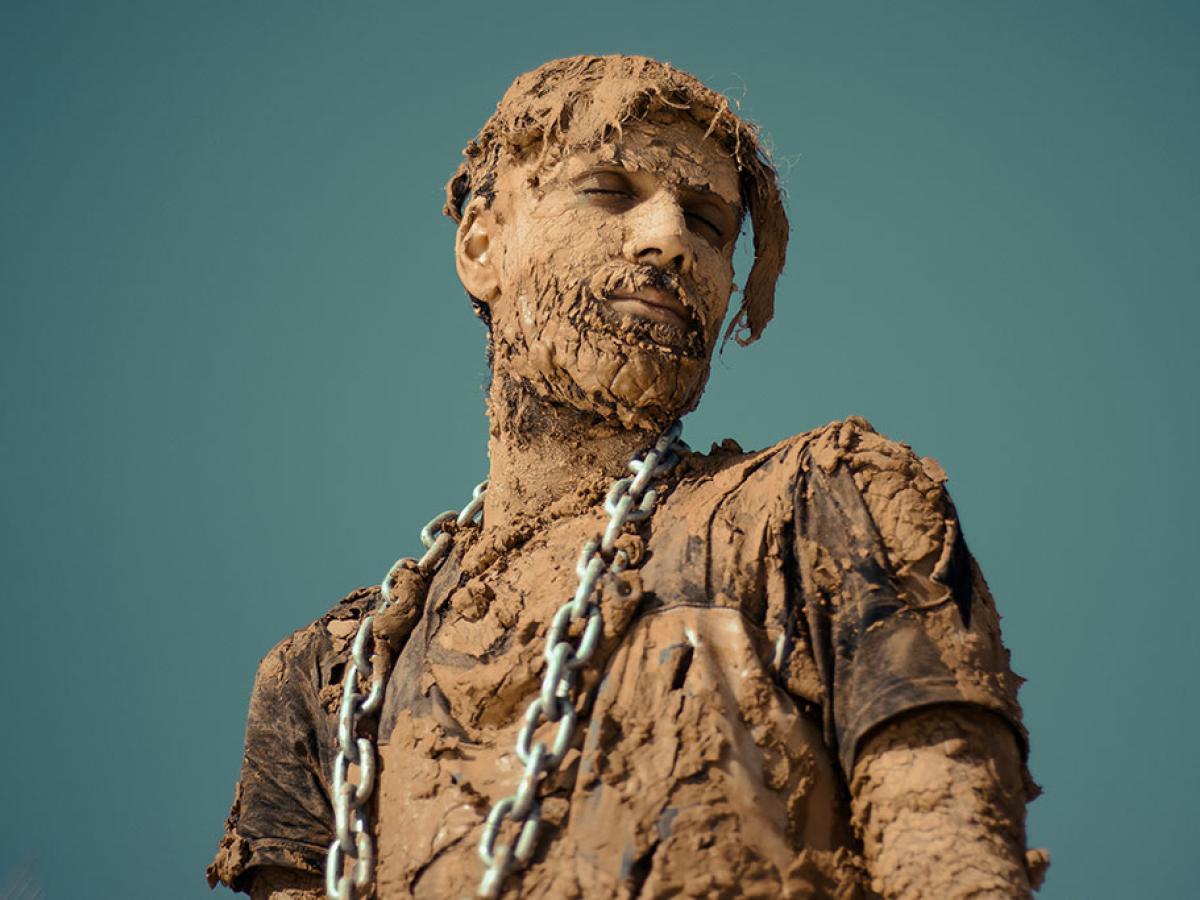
<point x="630" y="499"/>
<point x="350" y="798"/>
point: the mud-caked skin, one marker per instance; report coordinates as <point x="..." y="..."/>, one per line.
<point x="939" y="805"/>
<point x="786" y="606"/>
<point x="801" y="689"/>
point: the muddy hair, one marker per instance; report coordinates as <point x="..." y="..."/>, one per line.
<point x="581" y="102"/>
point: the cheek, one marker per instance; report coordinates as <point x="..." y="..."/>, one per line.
<point x="569" y="239"/>
<point x="713" y="275"/>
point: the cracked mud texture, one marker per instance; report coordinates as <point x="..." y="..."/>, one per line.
<point x="801" y="688"/>
<point x="939" y="801"/>
<point x="711" y="761"/>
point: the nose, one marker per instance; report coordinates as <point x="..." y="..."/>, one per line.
<point x="657" y="235"/>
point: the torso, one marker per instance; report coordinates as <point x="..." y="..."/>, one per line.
<point x="694" y="772"/>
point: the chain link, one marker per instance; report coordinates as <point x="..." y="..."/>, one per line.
<point x="351" y="799"/>
<point x="630" y="499"/>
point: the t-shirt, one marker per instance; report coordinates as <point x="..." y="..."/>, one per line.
<point x="780" y="606"/>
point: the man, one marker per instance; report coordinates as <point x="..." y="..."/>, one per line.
<point x="798" y="686"/>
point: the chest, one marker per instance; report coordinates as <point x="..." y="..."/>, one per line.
<point x="484" y="633"/>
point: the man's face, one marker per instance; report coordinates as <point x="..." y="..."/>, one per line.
<point x="614" y="269"/>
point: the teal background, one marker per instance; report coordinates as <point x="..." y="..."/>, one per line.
<point x="238" y="372"/>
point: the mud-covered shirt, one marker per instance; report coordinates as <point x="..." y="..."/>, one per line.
<point x="780" y="606"/>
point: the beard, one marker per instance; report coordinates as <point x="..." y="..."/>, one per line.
<point x="646" y="334"/>
<point x="566" y="343"/>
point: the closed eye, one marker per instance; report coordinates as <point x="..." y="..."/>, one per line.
<point x="710" y="226"/>
<point x="710" y="216"/>
<point x="607" y="184"/>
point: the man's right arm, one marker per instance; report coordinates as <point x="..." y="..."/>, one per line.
<point x="282" y="818"/>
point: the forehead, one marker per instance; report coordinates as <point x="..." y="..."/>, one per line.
<point x="673" y="149"/>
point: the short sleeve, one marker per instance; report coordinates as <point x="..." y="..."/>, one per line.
<point x="282" y="811"/>
<point x="900" y="614"/>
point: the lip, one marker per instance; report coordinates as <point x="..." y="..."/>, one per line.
<point x="651" y="303"/>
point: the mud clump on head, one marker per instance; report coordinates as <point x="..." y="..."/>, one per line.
<point x="584" y="102"/>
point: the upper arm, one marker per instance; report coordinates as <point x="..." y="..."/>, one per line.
<point x="907" y="617"/>
<point x="282" y="812"/>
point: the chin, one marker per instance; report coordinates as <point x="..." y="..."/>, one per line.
<point x="652" y="387"/>
<point x="640" y="386"/>
<point x="573" y="350"/>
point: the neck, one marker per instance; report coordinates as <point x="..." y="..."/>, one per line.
<point x="541" y="453"/>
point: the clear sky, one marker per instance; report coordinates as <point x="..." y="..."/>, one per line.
<point x="238" y="373"/>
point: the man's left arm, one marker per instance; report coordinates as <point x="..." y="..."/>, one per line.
<point x="939" y="804"/>
<point x="920" y="698"/>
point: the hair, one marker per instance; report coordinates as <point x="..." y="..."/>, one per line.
<point x="581" y="102"/>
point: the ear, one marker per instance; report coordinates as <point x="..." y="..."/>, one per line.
<point x="476" y="252"/>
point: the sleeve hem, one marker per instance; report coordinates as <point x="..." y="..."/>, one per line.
<point x="238" y="857"/>
<point x="908" y="697"/>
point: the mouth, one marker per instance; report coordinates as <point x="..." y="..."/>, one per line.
<point x="651" y="303"/>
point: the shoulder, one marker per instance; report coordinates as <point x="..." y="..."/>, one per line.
<point x="870" y="456"/>
<point x="878" y="464"/>
<point x="903" y="493"/>
<point x="280" y="809"/>
<point x="340" y="621"/>
<point x="307" y="656"/>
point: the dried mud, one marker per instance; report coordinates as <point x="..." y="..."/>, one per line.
<point x="801" y="689"/>
<point x="697" y="776"/>
<point x="939" y="800"/>
<point x="579" y="103"/>
<point x="558" y="259"/>
<point x="702" y="768"/>
<point x="709" y="760"/>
